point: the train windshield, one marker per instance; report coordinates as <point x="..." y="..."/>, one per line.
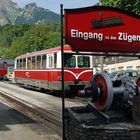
<point x="78" y="61"/>
<point x="83" y="61"/>
<point x="69" y="61"/>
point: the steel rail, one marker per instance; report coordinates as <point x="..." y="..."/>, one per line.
<point x="47" y="118"/>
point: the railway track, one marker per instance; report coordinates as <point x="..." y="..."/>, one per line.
<point x="44" y="109"/>
<point x="82" y="100"/>
<point x="50" y="119"/>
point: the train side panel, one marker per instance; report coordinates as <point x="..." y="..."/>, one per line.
<point x="51" y="78"/>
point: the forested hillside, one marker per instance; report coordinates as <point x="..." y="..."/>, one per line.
<point x="20" y="39"/>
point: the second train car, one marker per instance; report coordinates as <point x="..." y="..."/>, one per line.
<point x="42" y="70"/>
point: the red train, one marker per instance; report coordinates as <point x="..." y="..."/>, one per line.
<point x="6" y="68"/>
<point x="42" y="70"/>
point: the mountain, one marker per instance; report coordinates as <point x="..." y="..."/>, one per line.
<point x="11" y="13"/>
<point x="31" y="14"/>
<point x="8" y="12"/>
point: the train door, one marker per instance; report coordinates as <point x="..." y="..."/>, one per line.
<point x="51" y="66"/>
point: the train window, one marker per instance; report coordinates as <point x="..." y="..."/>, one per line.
<point x="24" y="63"/>
<point x="20" y="64"/>
<point x="50" y="61"/>
<point x="83" y="61"/>
<point x="55" y="60"/>
<point x="33" y="62"/>
<point x="69" y="60"/>
<point x="29" y="64"/>
<point x="4" y="64"/>
<point x="44" y="61"/>
<point x="38" y="62"/>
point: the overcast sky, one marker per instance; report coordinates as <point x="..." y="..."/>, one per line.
<point x="54" y="5"/>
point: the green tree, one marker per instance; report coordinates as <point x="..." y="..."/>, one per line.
<point x="129" y="5"/>
<point x="21" y="39"/>
<point x="8" y="33"/>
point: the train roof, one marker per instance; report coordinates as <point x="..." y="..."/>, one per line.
<point x="67" y="49"/>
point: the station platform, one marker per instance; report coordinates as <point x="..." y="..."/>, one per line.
<point x="16" y="126"/>
<point x="47" y="105"/>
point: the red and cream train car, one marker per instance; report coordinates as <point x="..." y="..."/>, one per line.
<point x="3" y="68"/>
<point x="42" y="70"/>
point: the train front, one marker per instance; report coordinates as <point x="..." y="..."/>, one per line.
<point x="77" y="72"/>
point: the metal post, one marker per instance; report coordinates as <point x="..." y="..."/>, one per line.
<point x="62" y="67"/>
<point x="115" y="58"/>
<point x="102" y="63"/>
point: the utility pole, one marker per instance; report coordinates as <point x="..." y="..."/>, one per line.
<point x="115" y="58"/>
<point x="102" y="63"/>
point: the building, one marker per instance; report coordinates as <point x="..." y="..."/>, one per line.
<point x="111" y="64"/>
